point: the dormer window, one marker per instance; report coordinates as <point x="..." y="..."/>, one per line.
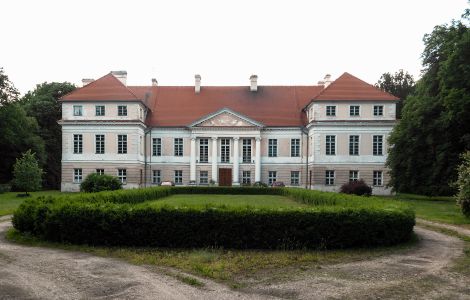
<point x="78" y="110"/>
<point x="331" y="111"/>
<point x="122" y="110"/>
<point x="99" y="109"/>
<point x="354" y="110"/>
<point x="378" y="110"/>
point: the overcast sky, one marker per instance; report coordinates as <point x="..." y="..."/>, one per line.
<point x="283" y="42"/>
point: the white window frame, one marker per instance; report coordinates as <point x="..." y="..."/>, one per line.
<point x="330" y="111"/>
<point x="330" y="180"/>
<point x="272" y="177"/>
<point x="156" y="147"/>
<point x="295" y="180"/>
<point x="156" y="176"/>
<point x="78" y="144"/>
<point x="178" y="147"/>
<point x="247" y="151"/>
<point x="377" y="180"/>
<point x="77" y="110"/>
<point x="376" y="146"/>
<point x="77" y="175"/>
<point x="225" y="150"/>
<point x="358" y="111"/>
<point x="358" y="144"/>
<point x="332" y="149"/>
<point x="100" y="143"/>
<point x="100" y="110"/>
<point x="204" y="150"/>
<point x="99" y="171"/>
<point x="122" y="175"/>
<point x="203" y="178"/>
<point x="272" y="147"/>
<point x="122" y="110"/>
<point x="178" y="177"/>
<point x="353" y="175"/>
<point x="296" y="148"/>
<point x="246" y="177"/>
<point x="122" y="145"/>
<point x="378" y="111"/>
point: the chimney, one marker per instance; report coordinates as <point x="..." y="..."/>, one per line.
<point x="121" y="75"/>
<point x="154" y="82"/>
<point x="327" y="80"/>
<point x="86" y="81"/>
<point x="254" y="83"/>
<point x="197" y="84"/>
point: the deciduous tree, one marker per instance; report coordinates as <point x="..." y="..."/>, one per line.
<point x="27" y="173"/>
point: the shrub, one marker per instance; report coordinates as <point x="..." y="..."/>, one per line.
<point x="4" y="188"/>
<point x="463" y="184"/>
<point x="358" y="187"/>
<point x="100" y="182"/>
<point x="260" y="184"/>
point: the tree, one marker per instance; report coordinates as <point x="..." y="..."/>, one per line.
<point x="463" y="184"/>
<point x="401" y="84"/>
<point x="8" y="92"/>
<point x="42" y="104"/>
<point x="27" y="173"/>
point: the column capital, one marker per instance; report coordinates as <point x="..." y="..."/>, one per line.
<point x="236" y="138"/>
<point x="193" y="138"/>
<point x="258" y="138"/>
<point x="214" y="138"/>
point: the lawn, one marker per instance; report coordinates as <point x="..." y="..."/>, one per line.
<point x="9" y="201"/>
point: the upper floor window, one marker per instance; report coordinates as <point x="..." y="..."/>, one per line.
<point x="294" y="177"/>
<point x="246" y="150"/>
<point x="330" y="145"/>
<point x="178" y="146"/>
<point x="329" y="177"/>
<point x="353" y="145"/>
<point x="377" y="145"/>
<point x="377" y="178"/>
<point x="122" y="175"/>
<point x="122" y="144"/>
<point x="295" y="147"/>
<point x="272" y="177"/>
<point x="353" y="176"/>
<point x="78" y="110"/>
<point x="331" y="111"/>
<point x="77" y="144"/>
<point x="354" y="110"/>
<point x="99" y="144"/>
<point x="204" y="150"/>
<point x="156" y="176"/>
<point x="378" y="110"/>
<point x="225" y="150"/>
<point x="77" y="175"/>
<point x="99" y="110"/>
<point x="156" y="147"/>
<point x="272" y="147"/>
<point x="122" y="110"/>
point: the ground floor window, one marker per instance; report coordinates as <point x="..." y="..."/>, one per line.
<point x="156" y="177"/>
<point x="294" y="177"/>
<point x="178" y="177"/>
<point x="246" y="177"/>
<point x="100" y="171"/>
<point x="122" y="175"/>
<point x="77" y="175"/>
<point x="272" y="177"/>
<point x="377" y="178"/>
<point x="203" y="177"/>
<point x="329" y="177"/>
<point x="353" y="176"/>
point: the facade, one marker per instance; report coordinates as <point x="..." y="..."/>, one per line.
<point x="318" y="136"/>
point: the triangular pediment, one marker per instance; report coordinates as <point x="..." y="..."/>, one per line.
<point x="225" y="118"/>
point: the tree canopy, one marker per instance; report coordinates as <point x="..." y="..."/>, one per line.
<point x="400" y="84"/>
<point x="27" y="173"/>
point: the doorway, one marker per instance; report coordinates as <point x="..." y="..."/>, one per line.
<point x="225" y="177"/>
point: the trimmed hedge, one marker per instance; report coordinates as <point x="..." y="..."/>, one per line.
<point x="106" y="219"/>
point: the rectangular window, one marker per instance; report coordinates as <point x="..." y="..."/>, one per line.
<point x="77" y="144"/>
<point x="99" y="144"/>
<point x="294" y="177"/>
<point x="122" y="110"/>
<point x="272" y="147"/>
<point x="156" y="147"/>
<point x="353" y="145"/>
<point x="353" y="176"/>
<point x="225" y="150"/>
<point x="246" y="177"/>
<point x="99" y="110"/>
<point x="354" y="110"/>
<point x="156" y="176"/>
<point x="329" y="177"/>
<point x="377" y="145"/>
<point x="378" y="110"/>
<point x="331" y="111"/>
<point x="78" y="110"/>
<point x="178" y="177"/>
<point x="77" y="175"/>
<point x="204" y="150"/>
<point x="330" y="145"/>
<point x="377" y="178"/>
<point x="100" y="171"/>
<point x="122" y="143"/>
<point x="203" y="177"/>
<point x="272" y="177"/>
<point x="122" y="175"/>
<point x="246" y="150"/>
<point x="178" y="146"/>
<point x="295" y="147"/>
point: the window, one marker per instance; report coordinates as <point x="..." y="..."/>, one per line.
<point x="156" y="176"/>
<point x="246" y="177"/>
<point x="331" y="111"/>
<point x="99" y="110"/>
<point x="78" y="110"/>
<point x="122" y="110"/>
<point x="354" y="110"/>
<point x="77" y="175"/>
<point x="204" y="150"/>
<point x="100" y="171"/>
<point x="377" y="178"/>
<point x="178" y="177"/>
<point x="353" y="145"/>
<point x="246" y="150"/>
<point x="329" y="177"/>
<point x="77" y="144"/>
<point x="353" y="176"/>
<point x="122" y="144"/>
<point x="203" y="177"/>
<point x="330" y="145"/>
<point x="272" y="147"/>
<point x="225" y="150"/>
<point x="99" y="144"/>
<point x="156" y="146"/>
<point x="272" y="177"/>
<point x="377" y="145"/>
<point x="122" y="175"/>
<point x="294" y="177"/>
<point x="378" y="110"/>
<point x="178" y="146"/>
<point x="295" y="147"/>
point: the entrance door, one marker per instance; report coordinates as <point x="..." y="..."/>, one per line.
<point x="225" y="177"/>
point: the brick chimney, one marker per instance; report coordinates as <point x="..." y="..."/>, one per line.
<point x="327" y="80"/>
<point x="254" y="83"/>
<point x="86" y="81"/>
<point x="154" y="82"/>
<point x="121" y="75"/>
<point x="197" y="83"/>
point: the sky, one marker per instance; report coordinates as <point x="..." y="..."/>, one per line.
<point x="283" y="42"/>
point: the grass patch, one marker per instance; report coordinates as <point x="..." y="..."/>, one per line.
<point x="9" y="201"/>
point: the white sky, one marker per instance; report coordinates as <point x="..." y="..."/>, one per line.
<point x="283" y="42"/>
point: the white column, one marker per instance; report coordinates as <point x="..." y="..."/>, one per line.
<point x="192" y="164"/>
<point x="214" y="160"/>
<point x="258" y="160"/>
<point x="235" y="170"/>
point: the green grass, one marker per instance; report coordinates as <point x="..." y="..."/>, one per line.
<point x="9" y="201"/>
<point x="204" y="200"/>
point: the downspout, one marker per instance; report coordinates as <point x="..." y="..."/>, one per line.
<point x="306" y="161"/>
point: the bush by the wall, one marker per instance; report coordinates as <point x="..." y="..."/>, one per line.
<point x="95" y="182"/>
<point x="463" y="184"/>
<point x="358" y="187"/>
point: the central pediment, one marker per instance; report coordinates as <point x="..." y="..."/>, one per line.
<point x="225" y="118"/>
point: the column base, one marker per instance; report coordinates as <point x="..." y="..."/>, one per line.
<point x="192" y="182"/>
<point x="235" y="183"/>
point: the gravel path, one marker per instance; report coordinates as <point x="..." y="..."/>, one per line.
<point x="460" y="230"/>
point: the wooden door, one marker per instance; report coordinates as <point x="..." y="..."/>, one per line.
<point x="225" y="177"/>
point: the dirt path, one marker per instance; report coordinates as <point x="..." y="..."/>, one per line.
<point x="458" y="229"/>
